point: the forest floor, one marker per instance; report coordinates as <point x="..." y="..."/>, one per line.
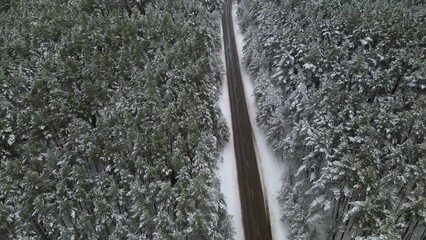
<point x="270" y="168"/>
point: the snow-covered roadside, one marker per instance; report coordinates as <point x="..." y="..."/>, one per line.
<point x="227" y="171"/>
<point x="271" y="169"/>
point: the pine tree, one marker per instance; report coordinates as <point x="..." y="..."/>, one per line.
<point x="339" y="85"/>
<point x="102" y="104"/>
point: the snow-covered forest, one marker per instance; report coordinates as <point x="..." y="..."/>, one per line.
<point x="109" y="125"/>
<point x="341" y="91"/>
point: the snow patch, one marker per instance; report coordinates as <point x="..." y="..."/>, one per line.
<point x="11" y="139"/>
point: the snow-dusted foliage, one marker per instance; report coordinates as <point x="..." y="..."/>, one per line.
<point x="341" y="91"/>
<point x="108" y="123"/>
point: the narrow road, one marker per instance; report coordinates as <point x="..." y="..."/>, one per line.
<point x="255" y="218"/>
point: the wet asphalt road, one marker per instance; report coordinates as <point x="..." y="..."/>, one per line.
<point x="255" y="213"/>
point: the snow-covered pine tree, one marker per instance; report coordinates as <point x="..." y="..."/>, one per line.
<point x="343" y="83"/>
<point x="104" y="126"/>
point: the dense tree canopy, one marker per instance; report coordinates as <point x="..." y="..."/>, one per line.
<point x="341" y="91"/>
<point x="109" y="127"/>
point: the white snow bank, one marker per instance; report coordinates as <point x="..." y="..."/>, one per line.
<point x="227" y="171"/>
<point x="271" y="169"/>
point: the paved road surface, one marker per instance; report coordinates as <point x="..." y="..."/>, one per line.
<point x="255" y="218"/>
